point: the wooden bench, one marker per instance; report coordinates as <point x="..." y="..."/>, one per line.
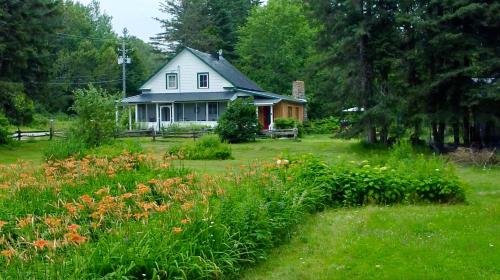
<point x="284" y="133"/>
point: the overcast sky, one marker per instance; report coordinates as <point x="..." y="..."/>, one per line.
<point x="136" y="15"/>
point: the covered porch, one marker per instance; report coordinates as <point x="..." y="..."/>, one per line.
<point x="160" y="115"/>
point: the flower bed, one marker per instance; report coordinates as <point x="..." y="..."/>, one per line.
<point x="132" y="216"/>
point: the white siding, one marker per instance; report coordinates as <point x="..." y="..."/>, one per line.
<point x="189" y="66"/>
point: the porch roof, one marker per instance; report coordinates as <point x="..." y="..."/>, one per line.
<point x="178" y="97"/>
<point x="263" y="102"/>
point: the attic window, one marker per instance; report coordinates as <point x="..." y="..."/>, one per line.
<point x="171" y="80"/>
<point x="202" y="80"/>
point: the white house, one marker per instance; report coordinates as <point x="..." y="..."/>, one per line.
<point x="195" y="88"/>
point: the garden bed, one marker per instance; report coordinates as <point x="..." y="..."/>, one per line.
<point x="133" y="216"/>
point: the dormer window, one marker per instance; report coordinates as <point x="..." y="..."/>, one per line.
<point x="172" y="81"/>
<point x="202" y="80"/>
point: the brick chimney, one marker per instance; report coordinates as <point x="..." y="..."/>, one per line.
<point x="299" y="90"/>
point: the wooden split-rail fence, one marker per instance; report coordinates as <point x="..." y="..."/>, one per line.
<point x="193" y="134"/>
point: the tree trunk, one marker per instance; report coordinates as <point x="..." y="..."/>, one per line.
<point x="456" y="133"/>
<point x="384" y="134"/>
<point x="366" y="70"/>
<point x="466" y="128"/>
<point x="438" y="135"/>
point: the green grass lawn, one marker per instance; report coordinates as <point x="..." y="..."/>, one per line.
<point x="402" y="242"/>
<point x="398" y="242"/>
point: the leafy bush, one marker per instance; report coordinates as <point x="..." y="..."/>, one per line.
<point x="239" y="122"/>
<point x="95" y="122"/>
<point x="328" y="125"/>
<point x="207" y="147"/>
<point x="358" y="183"/>
<point x="285" y="123"/>
<point x="4" y="130"/>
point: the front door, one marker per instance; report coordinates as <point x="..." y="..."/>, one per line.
<point x="165" y="116"/>
<point x="265" y="116"/>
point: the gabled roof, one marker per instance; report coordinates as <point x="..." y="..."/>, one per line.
<point x="221" y="66"/>
<point x="226" y="70"/>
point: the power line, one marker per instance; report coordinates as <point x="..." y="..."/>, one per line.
<point x="85" y="37"/>
<point x="77" y="83"/>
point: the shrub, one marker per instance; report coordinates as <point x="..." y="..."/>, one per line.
<point x="239" y="122"/>
<point x="329" y="125"/>
<point x="354" y="184"/>
<point x="4" y="130"/>
<point x="282" y="123"/>
<point x="95" y="122"/>
<point x="207" y="147"/>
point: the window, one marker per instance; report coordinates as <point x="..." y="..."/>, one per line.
<point x="202" y="80"/>
<point x="297" y="113"/>
<point x="290" y="112"/>
<point x="212" y="111"/>
<point x="171" y="80"/>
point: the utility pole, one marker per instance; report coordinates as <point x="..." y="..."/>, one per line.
<point x="124" y="60"/>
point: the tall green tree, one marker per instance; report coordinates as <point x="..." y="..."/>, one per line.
<point x="25" y="42"/>
<point x="275" y="44"/>
<point x="206" y="25"/>
<point x="356" y="57"/>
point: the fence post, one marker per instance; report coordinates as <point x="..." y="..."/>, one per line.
<point x="51" y="129"/>
<point x="19" y="134"/>
<point x="154" y="135"/>
<point x="295" y="133"/>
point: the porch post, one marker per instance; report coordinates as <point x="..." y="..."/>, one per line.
<point x="129" y="118"/>
<point x="116" y="115"/>
<point x="157" y="126"/>
<point x="172" y="113"/>
<point x="272" y="118"/>
<point x="136" y="115"/>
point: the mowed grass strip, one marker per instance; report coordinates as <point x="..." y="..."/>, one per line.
<point x="398" y="242"/>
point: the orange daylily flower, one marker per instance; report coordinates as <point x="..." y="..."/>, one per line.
<point x="40" y="244"/>
<point x="185" y="221"/>
<point x="2" y="223"/>
<point x="24" y="222"/>
<point x="87" y="199"/>
<point x="73" y="227"/>
<point x="74" y="237"/>
<point x="127" y="195"/>
<point x="52" y="222"/>
<point x="7" y="253"/>
<point x="141" y="189"/>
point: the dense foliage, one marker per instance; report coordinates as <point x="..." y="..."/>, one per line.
<point x="274" y="45"/>
<point x="329" y="125"/>
<point x="128" y="205"/>
<point x="206" y="25"/>
<point x="50" y="48"/>
<point x="410" y="64"/>
<point x="95" y="123"/>
<point x="239" y="122"/>
<point x="4" y="132"/>
<point x="207" y="147"/>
